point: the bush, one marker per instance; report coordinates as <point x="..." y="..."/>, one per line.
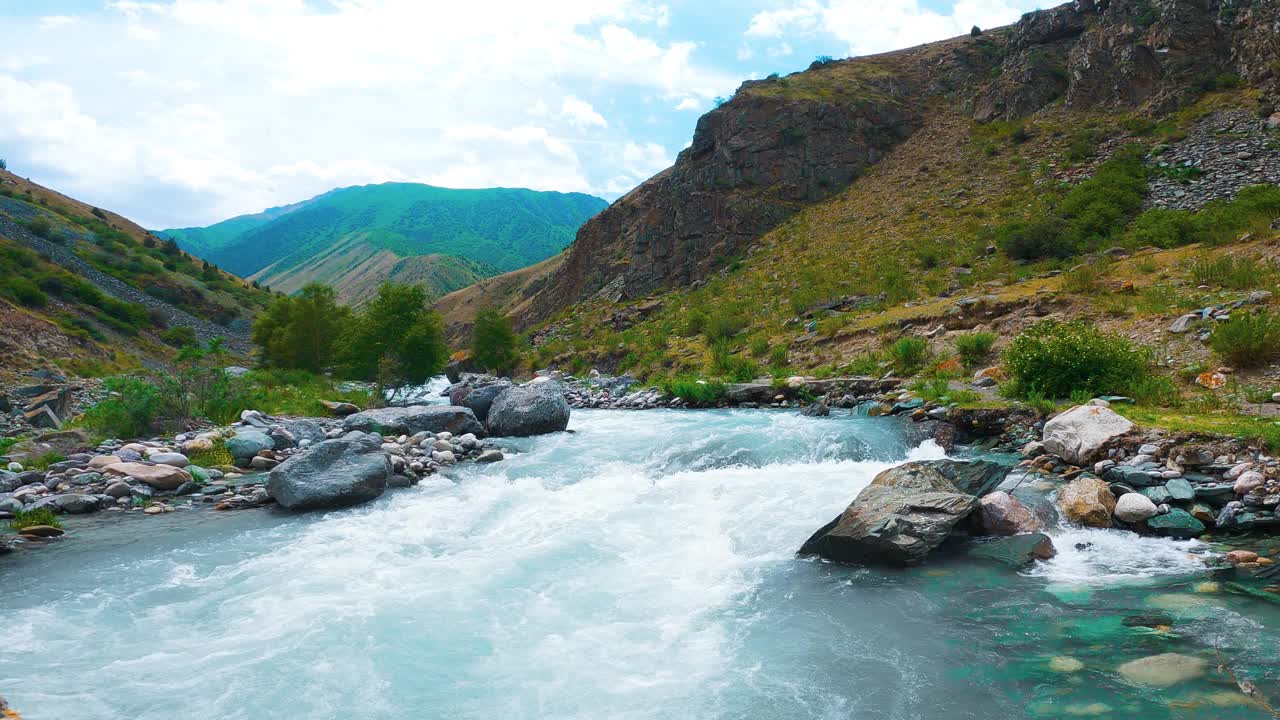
<point x="908" y="355"/>
<point x="974" y="347"/>
<point x="300" y="332"/>
<point x="30" y="518"/>
<point x="42" y="462"/>
<point x="1247" y="340"/>
<point x="724" y="323"/>
<point x="690" y="390"/>
<point x="1083" y="279"/>
<point x="179" y="336"/>
<point x="213" y="457"/>
<point x="41" y="227"/>
<point x="493" y="342"/>
<point x="24" y="291"/>
<point x="1056" y="359"/>
<point x="728" y="365"/>
<point x="1231" y="272"/>
<point x="129" y="409"/>
<point x="1086" y="218"/>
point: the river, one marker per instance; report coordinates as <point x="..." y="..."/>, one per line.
<point x="640" y="567"/>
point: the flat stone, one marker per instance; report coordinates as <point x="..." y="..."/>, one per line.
<point x="1180" y="490"/>
<point x="160" y="477"/>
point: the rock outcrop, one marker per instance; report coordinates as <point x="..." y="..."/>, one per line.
<point x="415" y="419"/>
<point x="904" y="513"/>
<point x="344" y="471"/>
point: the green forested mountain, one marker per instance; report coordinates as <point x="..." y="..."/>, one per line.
<point x="490" y="230"/>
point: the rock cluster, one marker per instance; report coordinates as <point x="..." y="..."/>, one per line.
<point x="1162" y="485"/>
<point x="312" y="463"/>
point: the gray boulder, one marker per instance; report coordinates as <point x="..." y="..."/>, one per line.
<point x="480" y="399"/>
<point x="415" y="419"/>
<point x="9" y="481"/>
<point x="248" y="442"/>
<point x="305" y="429"/>
<point x="348" y="470"/>
<point x="1080" y="434"/>
<point x="524" y="410"/>
<point x="73" y="504"/>
<point x="904" y="513"/>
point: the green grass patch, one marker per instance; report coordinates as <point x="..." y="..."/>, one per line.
<point x="24" y="519"/>
<point x="1054" y="359"/>
<point x="692" y="390"/>
<point x="974" y="347"/>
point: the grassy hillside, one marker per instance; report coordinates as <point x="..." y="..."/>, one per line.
<point x="930" y="244"/>
<point x="357" y="264"/>
<point x="88" y="291"/>
<point x="503" y="228"/>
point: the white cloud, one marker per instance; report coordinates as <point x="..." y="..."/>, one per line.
<point x="50" y="22"/>
<point x="638" y="162"/>
<point x="296" y="97"/>
<point x="870" y="26"/>
<point x="580" y="114"/>
<point x="689" y="104"/>
<point x="780" y="50"/>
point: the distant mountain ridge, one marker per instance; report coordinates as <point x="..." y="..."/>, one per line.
<point x="357" y="237"/>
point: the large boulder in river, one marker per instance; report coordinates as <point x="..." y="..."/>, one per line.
<point x="1087" y="501"/>
<point x="416" y="419"/>
<point x="1080" y="434"/>
<point x="904" y="513"/>
<point x="533" y="409"/>
<point x="344" y="471"/>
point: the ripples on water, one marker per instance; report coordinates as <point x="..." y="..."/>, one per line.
<point x="641" y="567"/>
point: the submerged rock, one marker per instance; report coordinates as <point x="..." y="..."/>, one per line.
<point x="1163" y="670"/>
<point x="1015" y="550"/>
<point x="534" y="409"/>
<point x="1080" y="434"/>
<point x="344" y="471"/>
<point x="904" y="513"/>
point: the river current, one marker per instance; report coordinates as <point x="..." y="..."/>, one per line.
<point x="641" y="566"/>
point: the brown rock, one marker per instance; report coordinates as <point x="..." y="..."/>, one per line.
<point x="1002" y="514"/>
<point x="1237" y="557"/>
<point x="1088" y="502"/>
<point x="160" y="477"/>
<point x="341" y="409"/>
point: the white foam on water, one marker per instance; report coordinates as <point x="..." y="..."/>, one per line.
<point x="1095" y="556"/>
<point x="524" y="589"/>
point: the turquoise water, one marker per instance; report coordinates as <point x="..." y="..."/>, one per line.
<point x="641" y="567"/>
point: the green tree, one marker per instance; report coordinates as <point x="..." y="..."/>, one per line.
<point x="396" y="339"/>
<point x="300" y="332"/>
<point x="493" y="342"/>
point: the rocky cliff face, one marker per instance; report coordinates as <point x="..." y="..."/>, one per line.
<point x="753" y="162"/>
<point x="782" y="143"/>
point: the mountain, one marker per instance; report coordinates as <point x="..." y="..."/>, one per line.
<point x="355" y="238"/>
<point x="204" y="241"/>
<point x="85" y="291"/>
<point x="851" y="192"/>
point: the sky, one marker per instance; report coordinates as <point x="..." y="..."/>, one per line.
<point x="180" y="113"/>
